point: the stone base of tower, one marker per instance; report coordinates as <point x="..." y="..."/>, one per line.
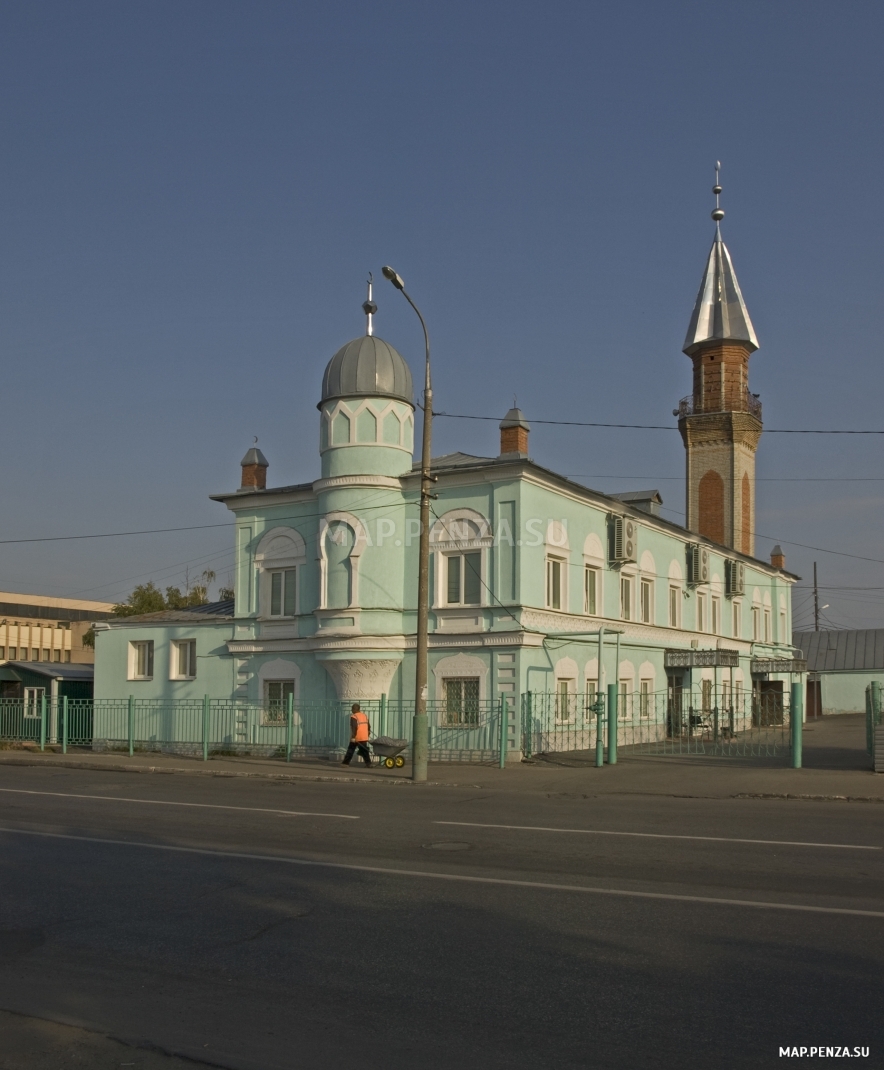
<point x="720" y="476"/>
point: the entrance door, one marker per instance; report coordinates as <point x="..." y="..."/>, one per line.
<point x="674" y="708"/>
<point x="769" y="703"/>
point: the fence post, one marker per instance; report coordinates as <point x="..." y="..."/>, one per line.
<point x="599" y="730"/>
<point x="612" y="724"/>
<point x="43" y="722"/>
<point x="527" y="723"/>
<point x="206" y="701"/>
<point x="64" y="725"/>
<point x="131" y="725"/>
<point x="875" y="710"/>
<point x="503" y="732"/>
<point x="382" y="716"/>
<point x="796" y="714"/>
<point x="289" y="723"/>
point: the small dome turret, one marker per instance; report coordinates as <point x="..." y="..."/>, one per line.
<point x="367" y="367"/>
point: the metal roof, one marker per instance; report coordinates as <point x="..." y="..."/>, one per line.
<point x="189" y="615"/>
<point x="720" y="313"/>
<point x="58" y="671"/>
<point x="860" y="650"/>
<point x="367" y="367"/>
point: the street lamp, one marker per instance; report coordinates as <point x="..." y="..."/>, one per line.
<point x="419" y="724"/>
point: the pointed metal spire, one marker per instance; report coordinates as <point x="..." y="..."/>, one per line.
<point x="369" y="308"/>
<point x="720" y="313"/>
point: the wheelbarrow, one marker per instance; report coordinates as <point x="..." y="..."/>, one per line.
<point x="389" y="751"/>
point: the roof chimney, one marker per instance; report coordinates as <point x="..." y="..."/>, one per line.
<point x="514" y="430"/>
<point x="777" y="557"/>
<point x="254" y="470"/>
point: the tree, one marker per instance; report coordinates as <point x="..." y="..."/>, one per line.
<point x="226" y="594"/>
<point x="148" y="598"/>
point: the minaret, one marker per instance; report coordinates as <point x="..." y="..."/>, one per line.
<point x="720" y="423"/>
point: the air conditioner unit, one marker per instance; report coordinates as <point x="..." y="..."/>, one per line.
<point x="698" y="563"/>
<point x="624" y="539"/>
<point x="734" y="578"/>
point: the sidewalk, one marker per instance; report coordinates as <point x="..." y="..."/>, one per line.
<point x="836" y="767"/>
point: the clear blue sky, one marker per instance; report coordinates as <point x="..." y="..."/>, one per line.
<point x="193" y="193"/>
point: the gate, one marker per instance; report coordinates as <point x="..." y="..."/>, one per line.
<point x="679" y="721"/>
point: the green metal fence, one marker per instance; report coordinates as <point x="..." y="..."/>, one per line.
<point x="468" y="729"/>
<point x="706" y="721"/>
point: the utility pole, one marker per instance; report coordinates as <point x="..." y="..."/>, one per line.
<point x="816" y="602"/>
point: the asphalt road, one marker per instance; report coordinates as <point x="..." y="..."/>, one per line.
<point x="259" y="925"/>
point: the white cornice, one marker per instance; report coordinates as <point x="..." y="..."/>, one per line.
<point x="342" y="482"/>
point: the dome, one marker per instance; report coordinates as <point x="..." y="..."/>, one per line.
<point x="367" y="367"/>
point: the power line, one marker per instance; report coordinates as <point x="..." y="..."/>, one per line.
<point x="653" y="427"/>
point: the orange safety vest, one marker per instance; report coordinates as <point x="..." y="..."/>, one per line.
<point x="359" y="727"/>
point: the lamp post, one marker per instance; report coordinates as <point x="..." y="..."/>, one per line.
<point x="419" y="724"/>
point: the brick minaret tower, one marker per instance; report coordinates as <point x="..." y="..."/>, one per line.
<point x="720" y="423"/>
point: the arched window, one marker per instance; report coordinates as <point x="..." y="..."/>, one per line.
<point x="342" y="537"/>
<point x="460" y="541"/>
<point x="339" y="542"/>
<point x="280" y="557"/>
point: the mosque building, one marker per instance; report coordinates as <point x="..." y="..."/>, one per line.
<point x="538" y="584"/>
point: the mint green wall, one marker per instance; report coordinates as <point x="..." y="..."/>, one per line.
<point x="845" y="692"/>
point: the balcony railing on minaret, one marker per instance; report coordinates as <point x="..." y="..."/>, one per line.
<point x="749" y="402"/>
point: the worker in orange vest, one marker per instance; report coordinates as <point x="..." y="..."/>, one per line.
<point x="359" y="732"/>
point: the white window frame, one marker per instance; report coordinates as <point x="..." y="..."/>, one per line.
<point x="645" y="696"/>
<point x="626" y="583"/>
<point x="187" y="648"/>
<point x="461" y="556"/>
<point x="767" y="625"/>
<point x="756" y="624"/>
<point x="451" y="536"/>
<point x="556" y="567"/>
<point x="272" y="572"/>
<point x="675" y="600"/>
<point x="646" y="606"/>
<point x="591" y="575"/>
<point x="737" y="621"/>
<point x="701" y="611"/>
<point x="136" y="646"/>
<point x="268" y="685"/>
<point x="281" y="549"/>
<point x="715" y="615"/>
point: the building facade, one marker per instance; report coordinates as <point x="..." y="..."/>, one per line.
<point x="538" y="584"/>
<point x="36" y="628"/>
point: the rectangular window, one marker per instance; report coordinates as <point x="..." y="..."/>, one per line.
<point x="184" y="659"/>
<point x="674" y="606"/>
<point x="46" y="655"/>
<point x="592" y="695"/>
<point x="141" y="659"/>
<point x="623" y="709"/>
<point x="35" y="655"/>
<point x="625" y="598"/>
<point x="767" y="626"/>
<point x="782" y="635"/>
<point x="647" y="601"/>
<point x="283" y="590"/>
<point x="13" y="653"/>
<point x="67" y="657"/>
<point x="716" y="615"/>
<point x="565" y="701"/>
<point x="56" y="656"/>
<point x="553" y="583"/>
<point x="461" y="702"/>
<point x="644" y="695"/>
<point x="464" y="579"/>
<point x="756" y="623"/>
<point x="2" y="653"/>
<point x="276" y="700"/>
<point x="738" y="620"/>
<point x="701" y="612"/>
<point x="590" y="591"/>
